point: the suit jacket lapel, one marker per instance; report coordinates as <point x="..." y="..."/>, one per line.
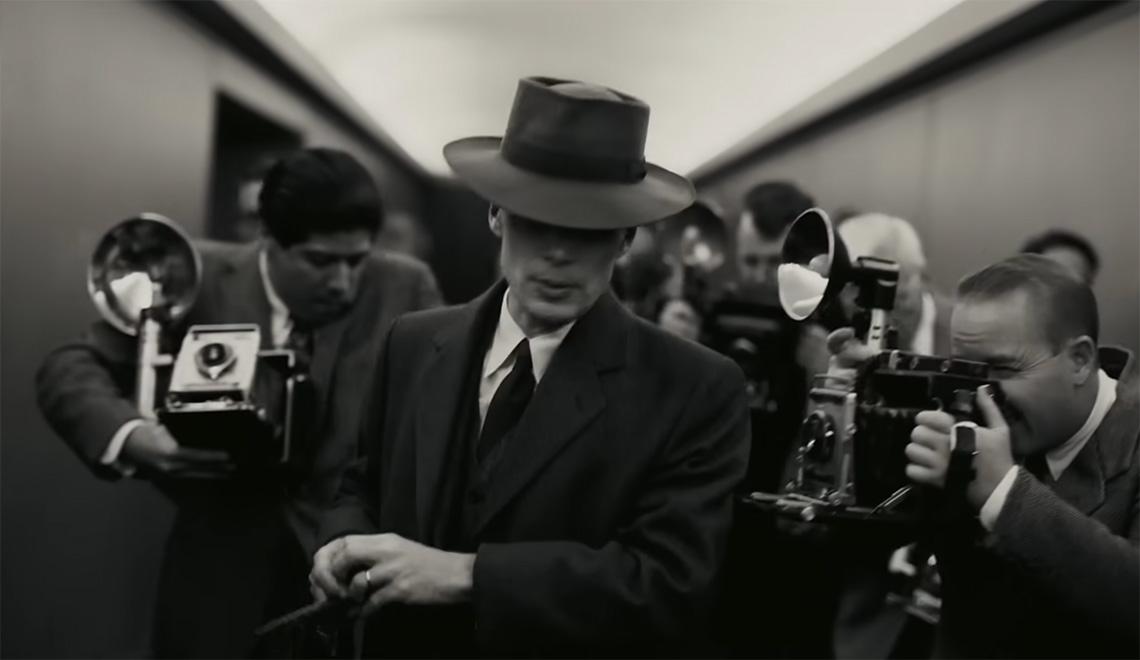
<point x="567" y="399"/>
<point x="1109" y="452"/>
<point x="1082" y="483"/>
<point x="444" y="378"/>
<point x="242" y="294"/>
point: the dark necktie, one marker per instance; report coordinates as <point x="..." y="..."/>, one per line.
<point x="509" y="402"/>
<point x="1039" y="468"/>
<point x="300" y="341"/>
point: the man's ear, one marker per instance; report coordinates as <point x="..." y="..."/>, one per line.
<point x="495" y="220"/>
<point x="1083" y="356"/>
<point x="627" y="240"/>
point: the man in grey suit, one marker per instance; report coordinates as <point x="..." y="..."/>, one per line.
<point x="544" y="472"/>
<point x="1050" y="566"/>
<point x="238" y="551"/>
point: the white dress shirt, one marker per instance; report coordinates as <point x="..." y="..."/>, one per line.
<point x="280" y="325"/>
<point x="1059" y="458"/>
<point x="500" y="357"/>
<point x="280" y="321"/>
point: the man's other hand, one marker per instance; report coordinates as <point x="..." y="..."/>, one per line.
<point x="929" y="450"/>
<point x="154" y="451"/>
<point x="847" y="352"/>
<point x="323" y="583"/>
<point x="387" y="568"/>
<point x="680" y="318"/>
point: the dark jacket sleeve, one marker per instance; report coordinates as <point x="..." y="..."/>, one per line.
<point x="1074" y="557"/>
<point x="354" y="508"/>
<point x="84" y="391"/>
<point x="656" y="577"/>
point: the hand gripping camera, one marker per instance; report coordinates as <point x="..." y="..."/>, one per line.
<point x="848" y="462"/>
<point x="219" y="390"/>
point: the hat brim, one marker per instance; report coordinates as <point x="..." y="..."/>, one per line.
<point x="567" y="202"/>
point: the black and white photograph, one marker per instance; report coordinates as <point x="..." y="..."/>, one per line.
<point x="570" y="328"/>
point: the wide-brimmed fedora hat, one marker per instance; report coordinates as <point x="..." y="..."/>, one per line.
<point x="574" y="156"/>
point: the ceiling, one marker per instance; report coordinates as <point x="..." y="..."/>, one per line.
<point x="713" y="71"/>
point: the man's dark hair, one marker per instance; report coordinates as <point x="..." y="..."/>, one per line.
<point x="318" y="191"/>
<point x="1065" y="305"/>
<point x="1055" y="238"/>
<point x="774" y="205"/>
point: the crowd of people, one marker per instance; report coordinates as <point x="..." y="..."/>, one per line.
<point x="555" y="467"/>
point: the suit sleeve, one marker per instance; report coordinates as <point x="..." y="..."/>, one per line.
<point x="657" y="576"/>
<point x="83" y="390"/>
<point x="354" y="508"/>
<point x="1072" y="556"/>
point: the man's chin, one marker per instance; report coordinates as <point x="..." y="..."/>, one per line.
<point x="555" y="314"/>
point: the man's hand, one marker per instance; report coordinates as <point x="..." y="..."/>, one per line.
<point x="150" y="447"/>
<point x="929" y="450"/>
<point x="387" y="568"/>
<point x="323" y="582"/>
<point x="679" y="318"/>
<point x="847" y="352"/>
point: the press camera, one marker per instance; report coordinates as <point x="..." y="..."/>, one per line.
<point x="217" y="388"/>
<point x="848" y="461"/>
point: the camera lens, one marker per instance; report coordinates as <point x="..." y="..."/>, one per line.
<point x="819" y="433"/>
<point x="214" y="354"/>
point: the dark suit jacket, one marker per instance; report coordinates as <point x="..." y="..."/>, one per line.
<point x="228" y="529"/>
<point x="605" y="522"/>
<point x="1059" y="576"/>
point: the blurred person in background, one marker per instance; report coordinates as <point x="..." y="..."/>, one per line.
<point x="779" y="355"/>
<point x="403" y="233"/>
<point x="1069" y="249"/>
<point x="237" y="553"/>
<point x="247" y="226"/>
<point x="921" y="313"/>
<point x="694" y="247"/>
<point x="769" y="209"/>
<point x="642" y="274"/>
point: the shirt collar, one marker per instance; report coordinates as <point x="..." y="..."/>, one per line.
<point x="508" y="334"/>
<point x="280" y="321"/>
<point x="1059" y="458"/>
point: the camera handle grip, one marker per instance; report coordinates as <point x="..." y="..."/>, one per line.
<point x="963" y="449"/>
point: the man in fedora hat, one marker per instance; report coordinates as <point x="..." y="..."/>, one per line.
<point x="542" y="472"/>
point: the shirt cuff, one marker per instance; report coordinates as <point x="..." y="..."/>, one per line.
<point x="115" y="448"/>
<point x="992" y="508"/>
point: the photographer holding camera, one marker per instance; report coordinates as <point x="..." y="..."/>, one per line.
<point x="237" y="552"/>
<point x="1050" y="565"/>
